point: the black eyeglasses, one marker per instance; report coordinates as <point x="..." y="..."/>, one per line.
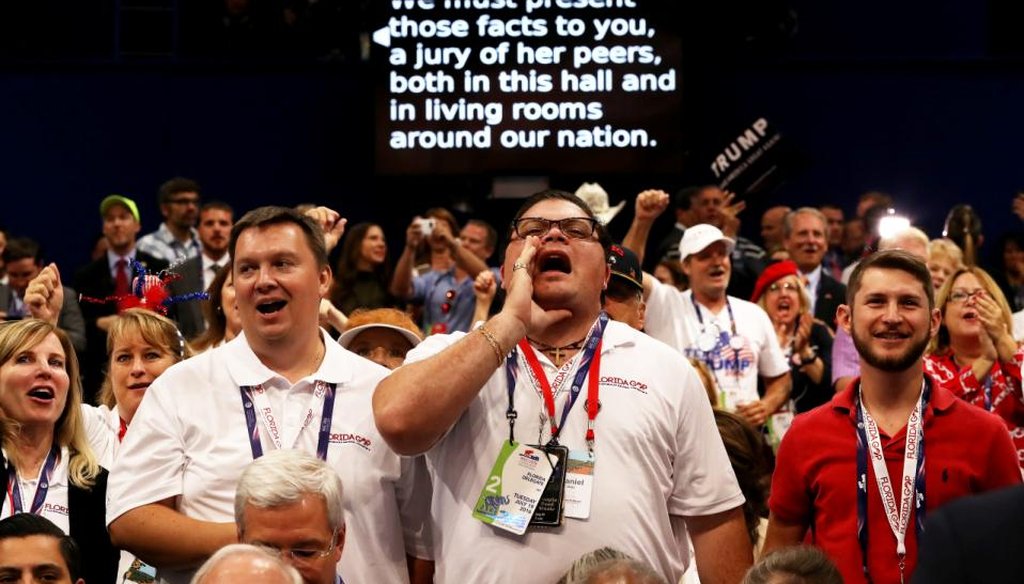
<point x="572" y="227"/>
<point x="184" y="201"/>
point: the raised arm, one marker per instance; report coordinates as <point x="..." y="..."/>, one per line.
<point x="44" y="295"/>
<point x="419" y="402"/>
<point x="401" y="280"/>
<point x="484" y="289"/>
<point x="650" y="204"/>
<point x="332" y="223"/>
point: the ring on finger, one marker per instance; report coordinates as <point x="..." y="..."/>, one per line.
<point x="518" y="266"/>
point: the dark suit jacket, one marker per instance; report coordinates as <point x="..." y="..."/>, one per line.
<point x="188" y="314"/>
<point x="95" y="281"/>
<point x="69" y="320"/>
<point x="974" y="540"/>
<point x="87" y="518"/>
<point x="831" y="293"/>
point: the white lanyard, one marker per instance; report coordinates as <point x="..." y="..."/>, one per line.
<point x="271" y="423"/>
<point x="897" y="500"/>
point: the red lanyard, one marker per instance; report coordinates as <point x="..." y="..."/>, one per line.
<point x="590" y="363"/>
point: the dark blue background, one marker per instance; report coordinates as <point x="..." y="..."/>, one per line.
<point x="920" y="100"/>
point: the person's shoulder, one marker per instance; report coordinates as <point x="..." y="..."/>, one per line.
<point x="1007" y="502"/>
<point x="828" y="281"/>
<point x="354" y="364"/>
<point x="958" y="414"/>
<point x="194" y="373"/>
<point x="432" y="345"/>
<point x="150" y="261"/>
<point x="91" y="268"/>
<point x="747" y="309"/>
<point x="823" y="416"/>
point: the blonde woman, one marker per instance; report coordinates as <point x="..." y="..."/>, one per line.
<point x="944" y="258"/>
<point x="974" y="355"/>
<point x="141" y="345"/>
<point x="805" y="341"/>
<point x="49" y="467"/>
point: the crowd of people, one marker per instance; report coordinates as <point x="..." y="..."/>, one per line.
<point x="216" y="402"/>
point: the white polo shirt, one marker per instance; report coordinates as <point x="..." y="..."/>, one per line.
<point x="189" y="439"/>
<point x="671" y="319"/>
<point x="55" y="505"/>
<point x="658" y="454"/>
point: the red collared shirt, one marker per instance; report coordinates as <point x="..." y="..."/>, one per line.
<point x="967" y="451"/>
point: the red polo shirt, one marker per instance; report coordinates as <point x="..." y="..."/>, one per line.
<point x="967" y="450"/>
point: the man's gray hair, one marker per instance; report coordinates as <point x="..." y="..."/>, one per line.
<point x="612" y="564"/>
<point x="283" y="477"/>
<point x="240" y="550"/>
<point x="787" y="221"/>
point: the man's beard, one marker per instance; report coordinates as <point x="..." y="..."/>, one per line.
<point x="892" y="364"/>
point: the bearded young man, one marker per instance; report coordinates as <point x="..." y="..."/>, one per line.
<point x="863" y="471"/>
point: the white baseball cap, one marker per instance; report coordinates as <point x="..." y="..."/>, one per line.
<point x="348" y="336"/>
<point x="698" y="237"/>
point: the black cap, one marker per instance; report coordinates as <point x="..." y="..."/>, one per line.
<point x="625" y="265"/>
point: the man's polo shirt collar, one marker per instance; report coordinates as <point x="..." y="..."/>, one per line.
<point x="246" y="369"/>
<point x="940" y="400"/>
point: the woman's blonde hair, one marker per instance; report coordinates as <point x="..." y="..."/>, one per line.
<point x="945" y="248"/>
<point x="940" y="342"/>
<point x="155" y="330"/>
<point x="707" y="379"/>
<point x="69" y="431"/>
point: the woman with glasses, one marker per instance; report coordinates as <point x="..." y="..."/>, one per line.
<point x="974" y="355"/>
<point x="805" y="341"/>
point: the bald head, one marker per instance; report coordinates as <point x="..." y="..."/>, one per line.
<point x="772" y="227"/>
<point x="245" y="563"/>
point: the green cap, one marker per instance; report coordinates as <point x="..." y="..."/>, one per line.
<point x="120" y="200"/>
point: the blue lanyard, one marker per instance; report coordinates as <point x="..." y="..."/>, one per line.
<point x="586" y="360"/>
<point x="253" y="430"/>
<point x="862" y="479"/>
<point x="988" y="392"/>
<point x="41" y="489"/>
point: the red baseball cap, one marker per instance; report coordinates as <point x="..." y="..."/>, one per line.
<point x="771" y="274"/>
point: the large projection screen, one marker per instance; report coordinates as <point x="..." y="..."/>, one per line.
<point x="526" y="86"/>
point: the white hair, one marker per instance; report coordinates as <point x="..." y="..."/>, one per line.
<point x="283" y="477"/>
<point x="243" y="550"/>
<point x="903" y="236"/>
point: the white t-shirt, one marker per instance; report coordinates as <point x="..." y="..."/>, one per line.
<point x="102" y="426"/>
<point x="671" y="319"/>
<point x="658" y="453"/>
<point x="189" y="439"/>
<point x="55" y="505"/>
